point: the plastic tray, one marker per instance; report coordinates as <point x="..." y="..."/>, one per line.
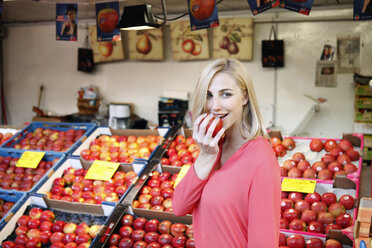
<point x="49" y="156"/>
<point x="88" y="127"/>
<point x="17" y="198"/>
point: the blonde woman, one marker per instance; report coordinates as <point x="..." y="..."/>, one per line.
<point x="233" y="188"/>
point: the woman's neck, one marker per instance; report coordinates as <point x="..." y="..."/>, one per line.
<point x="234" y="138"/>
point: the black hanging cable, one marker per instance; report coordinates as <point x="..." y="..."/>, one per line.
<point x="180" y="16"/>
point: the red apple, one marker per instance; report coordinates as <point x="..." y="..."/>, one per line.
<point x="35" y="213"/>
<point x="354" y="155"/>
<point x="308" y="216"/>
<point x="284" y="223"/>
<point x="139" y="223"/>
<point x="329" y="198"/>
<point x="332" y="243"/>
<point x="314" y="243"/>
<point x="315" y="227"/>
<point x="151" y="237"/>
<point x="344" y="220"/>
<point x="297" y="225"/>
<point x="309" y="173"/>
<point x="178" y="229"/>
<point x="126" y="243"/>
<point x="286" y="204"/>
<point x="125" y="231"/>
<point x="138" y="235"/>
<point x="164" y="226"/>
<point x="325" y="218"/>
<point x="165" y="239"/>
<point x="280" y="150"/>
<point x="348" y="201"/>
<point x="296" y="241"/>
<point x="302" y="205"/>
<point x="295" y="196"/>
<point x="332" y="226"/>
<point x="291" y="214"/>
<point x="345" y="144"/>
<point x="57" y="237"/>
<point x="343" y="159"/>
<point x="316" y="145"/>
<point x="336" y="209"/>
<point x="329" y="144"/>
<point x="312" y="197"/>
<point x="350" y="168"/>
<point x="325" y="174"/>
<point x="289" y="143"/>
<point x="127" y="220"/>
<point x="179" y="241"/>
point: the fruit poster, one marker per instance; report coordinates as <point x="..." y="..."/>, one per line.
<point x="146" y="44"/>
<point x="66" y="21"/>
<point x="105" y="51"/>
<point x="300" y="6"/>
<point x="203" y="14"/>
<point x="187" y="44"/>
<point x="363" y="10"/>
<point x="233" y="39"/>
<point x="107" y="17"/>
<point x="259" y="6"/>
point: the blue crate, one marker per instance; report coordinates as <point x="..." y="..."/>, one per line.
<point x="49" y="156"/>
<point x="16" y="197"/>
<point x="87" y="127"/>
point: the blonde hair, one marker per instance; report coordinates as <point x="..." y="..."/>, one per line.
<point x="252" y="122"/>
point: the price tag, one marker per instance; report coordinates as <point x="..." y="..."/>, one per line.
<point x="298" y="185"/>
<point x="181" y="174"/>
<point x="101" y="170"/>
<point x="30" y="159"/>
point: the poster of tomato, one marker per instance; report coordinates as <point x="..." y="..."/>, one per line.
<point x="146" y="44"/>
<point x="107" y="17"/>
<point x="104" y="51"/>
<point x="233" y="38"/>
<point x="187" y="44"/>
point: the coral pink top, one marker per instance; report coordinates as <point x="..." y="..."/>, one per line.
<point x="239" y="204"/>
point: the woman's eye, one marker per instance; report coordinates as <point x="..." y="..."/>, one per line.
<point x="226" y="94"/>
<point x="209" y="96"/>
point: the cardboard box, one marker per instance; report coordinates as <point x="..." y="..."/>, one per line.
<point x="127" y="132"/>
<point x="367" y="241"/>
<point x="112" y="225"/>
<point x="93" y="214"/>
<point x="365" y="210"/>
<point x="78" y="163"/>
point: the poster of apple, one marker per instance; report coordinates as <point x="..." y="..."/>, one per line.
<point x="187" y="44"/>
<point x="233" y="39"/>
<point x="107" y="17"/>
<point x="104" y="51"/>
<point x="146" y="44"/>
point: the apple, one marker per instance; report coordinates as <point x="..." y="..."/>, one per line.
<point x="167" y="203"/>
<point x="329" y="198"/>
<point x="282" y="239"/>
<point x="34" y="223"/>
<point x="319" y="207"/>
<point x="71" y="245"/>
<point x="309" y="173"/>
<point x="126" y="243"/>
<point x="313" y="197"/>
<point x="298" y="156"/>
<point x="325" y="218"/>
<point x="33" y="243"/>
<point x="316" y="145"/>
<point x="345" y="144"/>
<point x="81" y="229"/>
<point x="139" y="223"/>
<point x="289" y="164"/>
<point x="336" y="209"/>
<point x="336" y="151"/>
<point x="164" y="227"/>
<point x="286" y="204"/>
<point x="283" y="172"/>
<point x="302" y="205"/>
<point x="315" y="227"/>
<point x="318" y="166"/>
<point x="284" y="223"/>
<point x="334" y="167"/>
<point x="45" y="236"/>
<point x="114" y="239"/>
<point x="105" y="48"/>
<point x="332" y="226"/>
<point x="93" y="230"/>
<point x="329" y="144"/>
<point x="296" y="240"/>
<point x="314" y="243"/>
<point x="308" y="216"/>
<point x="295" y="173"/>
<point x="343" y="159"/>
<point x="151" y="237"/>
<point x="125" y="231"/>
<point x="21" y="230"/>
<point x="289" y="143"/>
<point x="347" y="201"/>
<point x="178" y="229"/>
<point x="69" y="237"/>
<point x="297" y="225"/>
<point x="179" y="241"/>
<point x="152" y="225"/>
<point x="138" y="235"/>
<point x="165" y="239"/>
<point x="303" y="165"/>
<point x="21" y="240"/>
<point x="83" y="238"/>
<point x="280" y="150"/>
<point x="344" y="220"/>
<point x="328" y="158"/>
<point x="275" y="141"/>
<point x="57" y="237"/>
<point x="127" y="220"/>
<point x="69" y="227"/>
<point x="325" y="174"/>
<point x="295" y="196"/>
<point x="35" y="213"/>
<point x="332" y="243"/>
<point x="350" y="168"/>
<point x="354" y="155"/>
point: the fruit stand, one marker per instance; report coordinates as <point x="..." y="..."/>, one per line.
<point x="134" y="206"/>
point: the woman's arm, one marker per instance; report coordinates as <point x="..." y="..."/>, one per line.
<point x="264" y="206"/>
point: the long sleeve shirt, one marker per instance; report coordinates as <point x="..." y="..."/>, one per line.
<point x="238" y="205"/>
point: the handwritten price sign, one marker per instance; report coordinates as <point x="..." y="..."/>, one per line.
<point x="30" y="159"/>
<point x="298" y="185"/>
<point x="101" y="170"/>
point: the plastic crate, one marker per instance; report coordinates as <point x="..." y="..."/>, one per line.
<point x="49" y="156"/>
<point x="17" y="198"/>
<point x="364" y="103"/>
<point x="87" y="127"/>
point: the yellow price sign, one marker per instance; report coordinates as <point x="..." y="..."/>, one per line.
<point x="101" y="170"/>
<point x="181" y="174"/>
<point x="298" y="185"/>
<point x="30" y="159"/>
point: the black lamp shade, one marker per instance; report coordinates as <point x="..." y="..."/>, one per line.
<point x="138" y="17"/>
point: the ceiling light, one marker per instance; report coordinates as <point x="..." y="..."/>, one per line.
<point x="138" y="17"/>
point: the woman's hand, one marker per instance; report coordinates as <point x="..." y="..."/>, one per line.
<point x="208" y="145"/>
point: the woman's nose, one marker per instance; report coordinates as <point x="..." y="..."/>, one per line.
<point x="216" y="104"/>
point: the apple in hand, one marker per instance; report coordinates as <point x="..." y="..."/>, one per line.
<point x="217" y="128"/>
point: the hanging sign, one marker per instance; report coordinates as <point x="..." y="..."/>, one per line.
<point x="101" y="170"/>
<point x="30" y="159"/>
<point x="300" y="6"/>
<point x="203" y="14"/>
<point x="66" y="21"/>
<point x="363" y="10"/>
<point x="107" y="17"/>
<point x="298" y="185"/>
<point x="259" y="6"/>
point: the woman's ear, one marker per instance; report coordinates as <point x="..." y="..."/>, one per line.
<point x="245" y="99"/>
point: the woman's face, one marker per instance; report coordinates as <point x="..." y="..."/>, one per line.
<point x="225" y="99"/>
<point x="71" y="15"/>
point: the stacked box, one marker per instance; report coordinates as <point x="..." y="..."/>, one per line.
<point x="15" y="199"/>
<point x="47" y="128"/>
<point x="78" y="163"/>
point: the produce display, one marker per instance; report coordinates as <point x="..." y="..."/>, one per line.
<point x="73" y="187"/>
<point x="315" y="159"/>
<point x="299" y="241"/>
<point x="39" y="227"/>
<point x="19" y="178"/>
<point x="315" y="213"/>
<point x="123" y="149"/>
<point x="151" y="233"/>
<point x="157" y="192"/>
<point x="46" y="139"/>
<point x="4" y="137"/>
<point x="181" y="151"/>
<point x="5" y="206"/>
